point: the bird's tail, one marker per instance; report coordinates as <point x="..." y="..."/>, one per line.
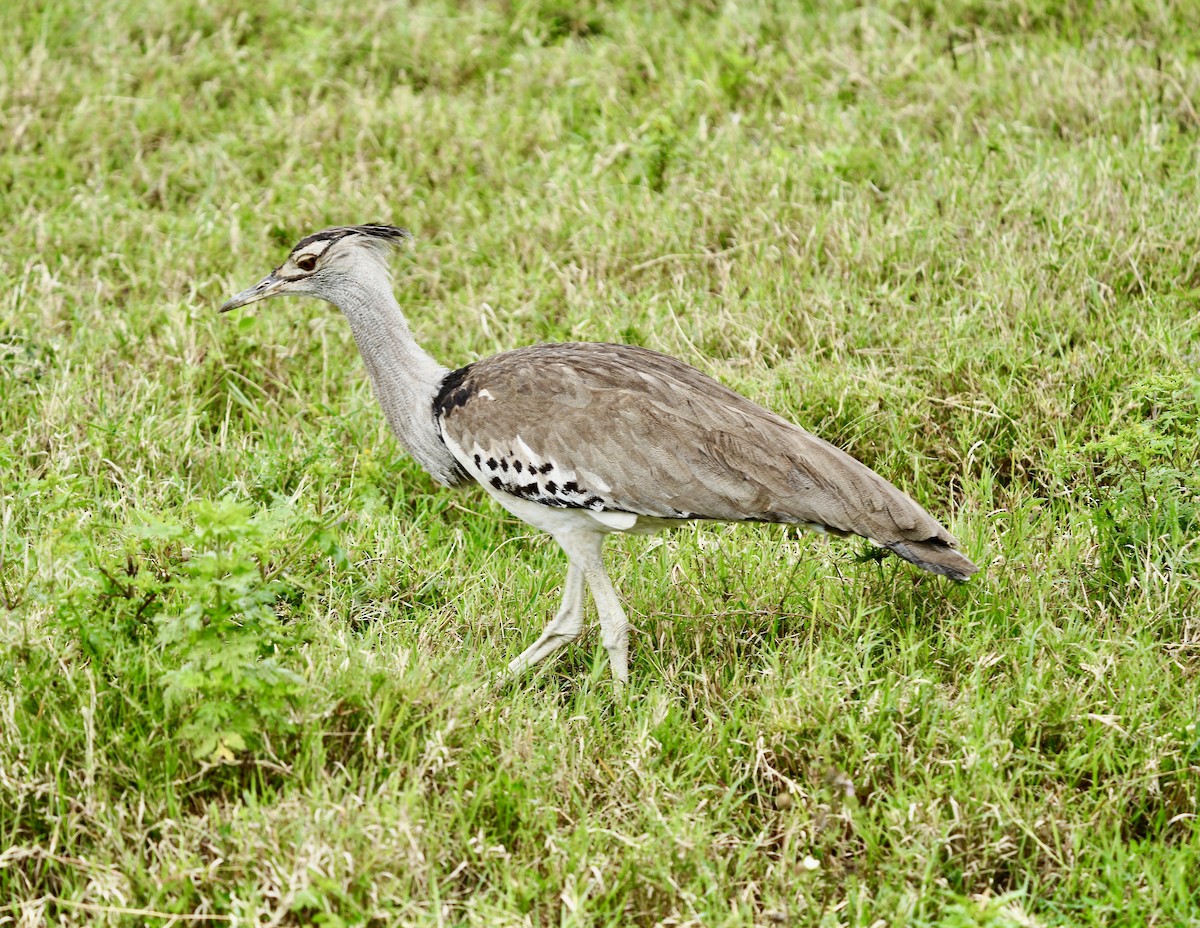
<point x="936" y="556"/>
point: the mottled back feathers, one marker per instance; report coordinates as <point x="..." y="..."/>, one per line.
<point x="619" y="428"/>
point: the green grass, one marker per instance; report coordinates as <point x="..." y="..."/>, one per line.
<point x="960" y="238"/>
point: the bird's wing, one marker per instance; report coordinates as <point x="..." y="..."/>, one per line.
<point x="619" y="428"/>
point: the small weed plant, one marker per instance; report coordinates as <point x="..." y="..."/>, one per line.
<point x="220" y="635"/>
<point x="1146" y="483"/>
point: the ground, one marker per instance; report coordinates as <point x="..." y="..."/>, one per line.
<point x="246" y="646"/>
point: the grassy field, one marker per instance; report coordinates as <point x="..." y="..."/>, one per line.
<point x="245" y="642"/>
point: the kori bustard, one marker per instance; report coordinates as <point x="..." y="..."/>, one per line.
<point x="583" y="439"/>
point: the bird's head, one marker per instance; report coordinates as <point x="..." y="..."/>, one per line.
<point x="323" y="263"/>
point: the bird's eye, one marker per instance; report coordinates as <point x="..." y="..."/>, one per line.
<point x="306" y="262"/>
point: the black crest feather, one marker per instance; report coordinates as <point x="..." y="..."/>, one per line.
<point x="380" y="232"/>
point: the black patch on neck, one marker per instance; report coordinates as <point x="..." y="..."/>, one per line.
<point x="455" y="391"/>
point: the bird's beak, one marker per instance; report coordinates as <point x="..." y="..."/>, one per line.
<point x="266" y="287"/>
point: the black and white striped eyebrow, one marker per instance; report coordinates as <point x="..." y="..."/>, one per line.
<point x="392" y="235"/>
<point x="320" y="242"/>
<point x="314" y="248"/>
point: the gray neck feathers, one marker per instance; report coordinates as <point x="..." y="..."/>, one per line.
<point x="404" y="376"/>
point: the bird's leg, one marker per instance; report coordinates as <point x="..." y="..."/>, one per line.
<point x="563" y="628"/>
<point x="614" y="627"/>
<point x="585" y="549"/>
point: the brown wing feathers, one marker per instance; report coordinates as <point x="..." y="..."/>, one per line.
<point x="658" y="438"/>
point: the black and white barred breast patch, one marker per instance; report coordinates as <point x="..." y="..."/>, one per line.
<point x="517" y="470"/>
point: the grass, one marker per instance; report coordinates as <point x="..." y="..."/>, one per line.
<point x="244" y="641"/>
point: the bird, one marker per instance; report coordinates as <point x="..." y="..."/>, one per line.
<point x="585" y="439"/>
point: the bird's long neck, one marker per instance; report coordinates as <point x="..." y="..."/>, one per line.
<point x="404" y="376"/>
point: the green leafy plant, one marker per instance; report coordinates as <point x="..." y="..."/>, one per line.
<point x="1146" y="492"/>
<point x="228" y="681"/>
